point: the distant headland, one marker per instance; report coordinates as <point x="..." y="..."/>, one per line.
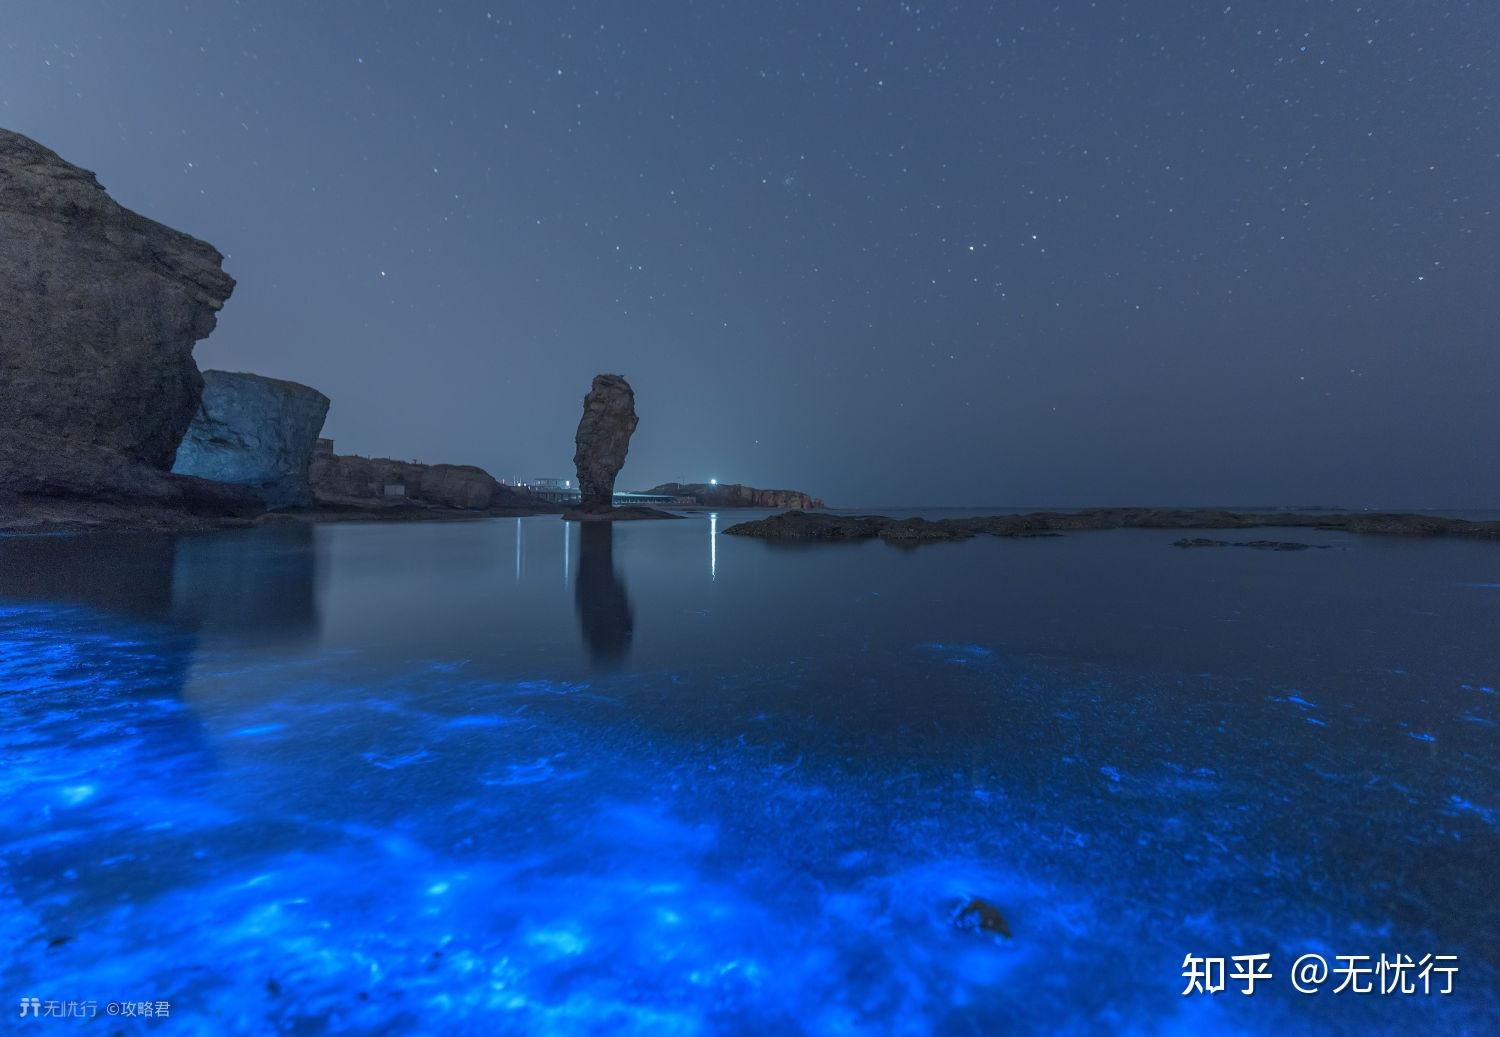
<point x="800" y="526"/>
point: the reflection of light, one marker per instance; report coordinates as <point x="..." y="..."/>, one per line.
<point x="565" y="552"/>
<point x="518" y="550"/>
<point x="713" y="546"/>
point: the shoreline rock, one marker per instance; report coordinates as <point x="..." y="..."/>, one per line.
<point x="255" y="431"/>
<point x="801" y="526"/>
<point x="99" y="310"/>
<point x="350" y="481"/>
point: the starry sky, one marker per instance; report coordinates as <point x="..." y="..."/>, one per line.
<point x="890" y="253"/>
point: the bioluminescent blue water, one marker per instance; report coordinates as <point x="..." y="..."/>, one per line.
<point x="516" y="777"/>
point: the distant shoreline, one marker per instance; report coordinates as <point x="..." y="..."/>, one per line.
<point x="825" y="527"/>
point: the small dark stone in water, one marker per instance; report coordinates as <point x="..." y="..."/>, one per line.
<point x="1264" y="545"/>
<point x="273" y="988"/>
<point x="57" y="941"/>
<point x="990" y="918"/>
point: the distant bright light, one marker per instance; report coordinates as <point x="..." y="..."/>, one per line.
<point x="713" y="482"/>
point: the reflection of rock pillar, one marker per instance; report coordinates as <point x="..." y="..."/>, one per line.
<point x="603" y="606"/>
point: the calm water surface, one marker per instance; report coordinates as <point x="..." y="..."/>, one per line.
<point x="518" y="776"/>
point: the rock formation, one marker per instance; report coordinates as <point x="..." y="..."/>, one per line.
<point x="257" y="432"/>
<point x="737" y="495"/>
<point x="351" y="479"/>
<point x="603" y="439"/>
<point x="99" y="310"/>
<point x="799" y="525"/>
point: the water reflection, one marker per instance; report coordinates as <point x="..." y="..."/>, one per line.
<point x="259" y="583"/>
<point x="713" y="545"/>
<point x="520" y="546"/>
<point x="604" y="613"/>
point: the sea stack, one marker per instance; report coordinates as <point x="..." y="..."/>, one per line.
<point x="602" y="441"/>
<point x="255" y="431"/>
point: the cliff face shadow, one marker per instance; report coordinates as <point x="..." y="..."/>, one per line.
<point x="604" y="614"/>
<point x="258" y="584"/>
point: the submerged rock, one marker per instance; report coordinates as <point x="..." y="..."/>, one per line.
<point x="1263" y="545"/>
<point x="738" y="495"/>
<point x="603" y="439"/>
<point x="257" y="432"/>
<point x="99" y="310"/>
<point x="986" y="915"/>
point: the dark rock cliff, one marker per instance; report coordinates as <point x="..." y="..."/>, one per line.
<point x="603" y="440"/>
<point x="257" y="432"/>
<point x="99" y="310"/>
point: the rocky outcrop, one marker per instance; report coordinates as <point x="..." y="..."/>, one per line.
<point x="257" y="432"/>
<point x="737" y="495"/>
<point x="79" y="484"/>
<point x="603" y="439"/>
<point x="799" y="525"/>
<point x="351" y="479"/>
<point x="99" y="310"/>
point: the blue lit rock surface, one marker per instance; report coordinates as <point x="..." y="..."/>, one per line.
<point x="429" y="814"/>
<point x="255" y="431"/>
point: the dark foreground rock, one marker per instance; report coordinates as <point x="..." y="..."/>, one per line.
<point x="737" y="495"/>
<point x="99" y="310"/>
<point x="602" y="440"/>
<point x="257" y="432"/>
<point x="801" y="526"/>
<point x="349" y="482"/>
<point x="82" y="485"/>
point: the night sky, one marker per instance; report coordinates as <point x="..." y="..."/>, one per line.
<point x="1013" y="253"/>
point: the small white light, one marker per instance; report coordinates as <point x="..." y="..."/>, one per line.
<point x="713" y="482"/>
